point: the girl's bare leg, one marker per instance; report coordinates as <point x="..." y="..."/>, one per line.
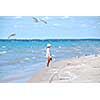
<point x="48" y="62"/>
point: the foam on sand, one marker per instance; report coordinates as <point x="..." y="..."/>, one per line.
<point x="85" y="69"/>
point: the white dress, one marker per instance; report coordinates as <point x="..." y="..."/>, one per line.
<point x="48" y="52"/>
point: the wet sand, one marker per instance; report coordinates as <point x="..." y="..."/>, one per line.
<point x="84" y="69"/>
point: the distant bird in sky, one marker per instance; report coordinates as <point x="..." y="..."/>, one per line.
<point x="37" y="20"/>
<point x="11" y="35"/>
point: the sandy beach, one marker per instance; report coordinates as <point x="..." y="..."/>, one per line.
<point x="84" y="69"/>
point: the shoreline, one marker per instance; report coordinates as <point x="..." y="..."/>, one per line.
<point x="84" y="69"/>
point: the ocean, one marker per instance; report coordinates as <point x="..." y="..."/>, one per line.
<point x="20" y="59"/>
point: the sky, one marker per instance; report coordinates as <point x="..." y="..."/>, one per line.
<point x="57" y="27"/>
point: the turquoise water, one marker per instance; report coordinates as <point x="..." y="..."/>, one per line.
<point x="20" y="59"/>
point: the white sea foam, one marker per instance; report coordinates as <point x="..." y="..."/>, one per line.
<point x="68" y="76"/>
<point x="32" y="51"/>
<point x="3" y="52"/>
<point x="3" y="46"/>
<point x="54" y="59"/>
<point x="33" y="57"/>
<point x="53" y="55"/>
<point x="59" y="47"/>
<point x="27" y="58"/>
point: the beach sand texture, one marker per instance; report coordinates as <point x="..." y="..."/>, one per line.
<point x="84" y="69"/>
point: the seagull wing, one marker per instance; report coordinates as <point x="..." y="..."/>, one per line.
<point x="35" y="19"/>
<point x="43" y="21"/>
<point x="11" y="35"/>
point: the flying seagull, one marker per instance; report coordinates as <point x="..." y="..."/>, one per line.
<point x="12" y="34"/>
<point x="37" y="20"/>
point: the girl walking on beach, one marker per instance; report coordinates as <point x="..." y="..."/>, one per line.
<point x="48" y="54"/>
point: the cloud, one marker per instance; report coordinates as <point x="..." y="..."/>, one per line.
<point x="56" y="24"/>
<point x="65" y="17"/>
<point x="17" y="17"/>
<point x="99" y="23"/>
<point x="84" y="25"/>
<point x="15" y="26"/>
<point x="46" y="18"/>
<point x="94" y="26"/>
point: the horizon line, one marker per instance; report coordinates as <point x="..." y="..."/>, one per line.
<point x="51" y="38"/>
<point x="56" y="39"/>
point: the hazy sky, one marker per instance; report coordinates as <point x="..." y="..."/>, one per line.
<point x="56" y="27"/>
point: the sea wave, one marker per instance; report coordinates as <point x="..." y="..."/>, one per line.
<point x="3" y="52"/>
<point x="3" y="46"/>
<point x="26" y="58"/>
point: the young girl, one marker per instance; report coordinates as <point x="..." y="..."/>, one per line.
<point x="48" y="54"/>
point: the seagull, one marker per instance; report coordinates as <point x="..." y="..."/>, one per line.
<point x="12" y="34"/>
<point x="43" y="21"/>
<point x="35" y="19"/>
<point x="39" y="20"/>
